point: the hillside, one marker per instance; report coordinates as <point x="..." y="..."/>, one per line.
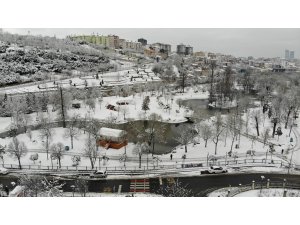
<point x="31" y="58"/>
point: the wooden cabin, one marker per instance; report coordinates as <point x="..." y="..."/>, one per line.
<point x="112" y="138"/>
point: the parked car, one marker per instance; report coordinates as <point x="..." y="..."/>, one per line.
<point x="98" y="174"/>
<point x="3" y="171"/>
<point x="217" y="169"/>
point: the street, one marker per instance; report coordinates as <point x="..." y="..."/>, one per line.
<point x="199" y="185"/>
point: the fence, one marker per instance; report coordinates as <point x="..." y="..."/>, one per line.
<point x="263" y="185"/>
<point x="152" y="169"/>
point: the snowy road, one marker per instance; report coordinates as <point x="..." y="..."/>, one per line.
<point x="200" y="185"/>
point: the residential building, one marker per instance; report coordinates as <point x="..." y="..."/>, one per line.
<point x="184" y="49"/>
<point x="163" y="48"/>
<point x="292" y="55"/>
<point x="189" y="50"/>
<point x="114" y="41"/>
<point x="287" y="54"/>
<point x="199" y="54"/>
<point x="142" y="41"/>
<point x="111" y="41"/>
<point x="130" y="45"/>
<point x="181" y="49"/>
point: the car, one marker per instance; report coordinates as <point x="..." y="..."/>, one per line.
<point x="98" y="174"/>
<point x="3" y="171"/>
<point x="217" y="169"/>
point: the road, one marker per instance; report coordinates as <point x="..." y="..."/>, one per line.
<point x="199" y="185"/>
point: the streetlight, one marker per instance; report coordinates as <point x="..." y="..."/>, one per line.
<point x="290" y="164"/>
<point x="73" y="189"/>
<point x="261" y="184"/>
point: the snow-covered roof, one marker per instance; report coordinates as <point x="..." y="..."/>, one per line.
<point x="108" y="132"/>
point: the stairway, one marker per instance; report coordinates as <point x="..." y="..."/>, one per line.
<point x="139" y="185"/>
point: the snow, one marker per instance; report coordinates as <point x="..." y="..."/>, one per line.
<point x="16" y="191"/>
<point x="110" y="79"/>
<point x="272" y="192"/>
<point x="108" y="132"/>
<point x="123" y="194"/>
<point x="196" y="151"/>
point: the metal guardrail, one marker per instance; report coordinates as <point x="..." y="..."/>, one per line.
<point x="151" y="168"/>
<point x="263" y="185"/>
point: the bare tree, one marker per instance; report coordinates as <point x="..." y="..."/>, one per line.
<point x="24" y="121"/>
<point x="217" y="130"/>
<point x="81" y="186"/>
<point x="72" y="130"/>
<point x="2" y="152"/>
<point x="212" y="65"/>
<point x="206" y="132"/>
<point x="90" y="102"/>
<point x="32" y="185"/>
<point x="46" y="133"/>
<point x="61" y="100"/>
<point x="140" y="149"/>
<point x="57" y="151"/>
<point x="256" y="116"/>
<point x="90" y="150"/>
<point x="124" y="110"/>
<point x="186" y="136"/>
<point x="266" y="136"/>
<point x="175" y="189"/>
<point x="17" y="149"/>
<point x="233" y="128"/>
<point x="276" y="113"/>
<point x="154" y="131"/>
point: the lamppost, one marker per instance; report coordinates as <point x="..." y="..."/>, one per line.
<point x="290" y="164"/>
<point x="261" y="184"/>
<point x="73" y="189"/>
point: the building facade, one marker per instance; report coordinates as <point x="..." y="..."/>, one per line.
<point x="189" y="50"/>
<point x="111" y="41"/>
<point x="292" y="55"/>
<point x="137" y="46"/>
<point x="180" y="49"/>
<point x="184" y="49"/>
<point x="162" y="48"/>
<point x="287" y="54"/>
<point x="142" y="41"/>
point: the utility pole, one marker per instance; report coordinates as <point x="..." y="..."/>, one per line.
<point x="62" y="108"/>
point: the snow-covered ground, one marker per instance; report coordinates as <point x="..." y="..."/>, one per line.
<point x="272" y="192"/>
<point x="110" y="79"/>
<point x="196" y="151"/>
<point x="123" y="194"/>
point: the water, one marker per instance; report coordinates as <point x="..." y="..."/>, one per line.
<point x="172" y="130"/>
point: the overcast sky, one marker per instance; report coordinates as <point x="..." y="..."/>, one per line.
<point x="238" y="42"/>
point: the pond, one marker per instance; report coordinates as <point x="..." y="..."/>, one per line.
<point x="172" y="130"/>
<point x="199" y="106"/>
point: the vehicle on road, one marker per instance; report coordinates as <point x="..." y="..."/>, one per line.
<point x="215" y="170"/>
<point x="3" y="171"/>
<point x="98" y="174"/>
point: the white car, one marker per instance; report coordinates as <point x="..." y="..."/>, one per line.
<point x="3" y="171"/>
<point x="217" y="169"/>
<point x="99" y="174"/>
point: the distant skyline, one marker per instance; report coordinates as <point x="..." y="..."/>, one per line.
<point x="255" y="42"/>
